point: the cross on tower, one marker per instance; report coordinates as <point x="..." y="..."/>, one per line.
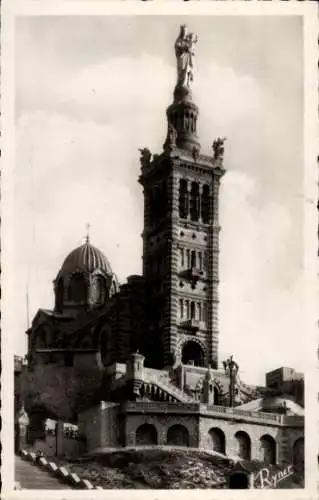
<point x="88" y="227"/>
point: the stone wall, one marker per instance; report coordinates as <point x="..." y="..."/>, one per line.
<point x="89" y="423"/>
<point x="230" y="428"/>
<point x="100" y="425"/>
<point x="109" y="424"/>
<point x="58" y="444"/>
<point x="162" y="423"/>
<point x="47" y="446"/>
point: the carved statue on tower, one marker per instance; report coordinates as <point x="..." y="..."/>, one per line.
<point x="184" y="50"/>
<point x="145" y="158"/>
<point x="231" y="369"/>
<point x="219" y="148"/>
<point x="170" y="142"/>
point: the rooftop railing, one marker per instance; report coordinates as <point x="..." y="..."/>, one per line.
<point x="222" y="411"/>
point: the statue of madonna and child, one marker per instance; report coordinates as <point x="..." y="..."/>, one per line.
<point x="184" y="51"/>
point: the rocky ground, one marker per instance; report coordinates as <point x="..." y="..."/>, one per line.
<point x="160" y="469"/>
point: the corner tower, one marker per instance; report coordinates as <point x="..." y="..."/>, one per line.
<point x="181" y="232"/>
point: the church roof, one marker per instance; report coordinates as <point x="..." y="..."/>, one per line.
<point x="86" y="258"/>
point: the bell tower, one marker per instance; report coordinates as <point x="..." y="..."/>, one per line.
<point x="181" y="233"/>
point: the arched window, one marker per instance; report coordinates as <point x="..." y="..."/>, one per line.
<point x="98" y="290"/>
<point x="186" y="121"/>
<point x="192" y="353"/>
<point x="268" y="449"/>
<point x="217" y="440"/>
<point x="183" y="199"/>
<point x="299" y="452"/>
<point x="243" y="445"/>
<point x="78" y="288"/>
<point x="114" y="288"/>
<point x="194" y="202"/>
<point x="205" y="204"/>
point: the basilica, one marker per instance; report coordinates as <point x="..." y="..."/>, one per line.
<point x="152" y="342"/>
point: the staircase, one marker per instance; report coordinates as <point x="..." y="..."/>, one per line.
<point x="165" y="385"/>
<point x="32" y="477"/>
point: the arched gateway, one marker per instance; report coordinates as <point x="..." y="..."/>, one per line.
<point x="146" y="434"/>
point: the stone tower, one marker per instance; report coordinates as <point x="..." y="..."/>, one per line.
<point x="181" y="233"/>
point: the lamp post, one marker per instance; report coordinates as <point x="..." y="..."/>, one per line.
<point x="231" y="369"/>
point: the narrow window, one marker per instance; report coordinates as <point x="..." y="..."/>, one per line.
<point x="187" y="309"/>
<point x="183" y="199"/>
<point x="205" y="204"/>
<point x="181" y="257"/>
<point x="193" y="259"/>
<point x="199" y="308"/>
<point x="188" y="257"/>
<point x="194" y="202"/>
<point x="200" y="260"/>
<point x="192" y="310"/>
<point x="181" y="308"/>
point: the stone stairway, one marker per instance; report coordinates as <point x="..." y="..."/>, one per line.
<point x="32" y="477"/>
<point x="167" y="386"/>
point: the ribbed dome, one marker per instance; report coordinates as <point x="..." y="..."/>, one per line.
<point x="87" y="258"/>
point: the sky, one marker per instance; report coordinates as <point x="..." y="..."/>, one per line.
<point x="92" y="90"/>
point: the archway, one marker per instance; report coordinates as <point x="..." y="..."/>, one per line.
<point x="217" y="440"/>
<point x="299" y="452"/>
<point x="146" y="434"/>
<point x="177" y="435"/>
<point x="268" y="449"/>
<point x="192" y="353"/>
<point x="243" y="445"/>
<point x="98" y="290"/>
<point x="238" y="481"/>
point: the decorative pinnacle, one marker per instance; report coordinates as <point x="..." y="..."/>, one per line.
<point x="87" y="238"/>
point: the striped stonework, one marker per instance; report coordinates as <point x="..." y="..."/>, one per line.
<point x="180" y="260"/>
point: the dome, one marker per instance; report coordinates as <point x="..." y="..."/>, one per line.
<point x="86" y="258"/>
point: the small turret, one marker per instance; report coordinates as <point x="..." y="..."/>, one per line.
<point x="135" y="373"/>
